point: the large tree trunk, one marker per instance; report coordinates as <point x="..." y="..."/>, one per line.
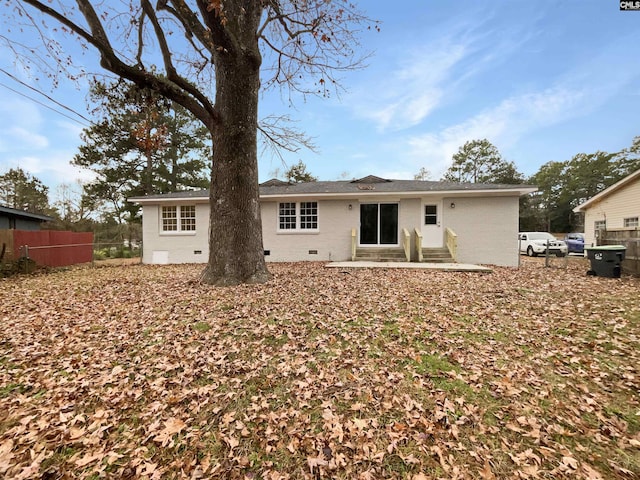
<point x="236" y="253"/>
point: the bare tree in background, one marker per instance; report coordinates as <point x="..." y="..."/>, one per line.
<point x="212" y="55"/>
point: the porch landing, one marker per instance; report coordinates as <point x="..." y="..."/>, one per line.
<point x="446" y="267"/>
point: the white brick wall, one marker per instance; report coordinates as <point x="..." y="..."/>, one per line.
<point x="332" y="241"/>
<point x="487" y="229"/>
<point x="181" y="247"/>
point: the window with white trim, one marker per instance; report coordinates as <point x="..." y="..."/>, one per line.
<point x="600" y="225"/>
<point x="631" y="222"/>
<point x="178" y="218"/>
<point x="287" y="216"/>
<point x="298" y="216"/>
<point x="430" y="214"/>
<point x="309" y="215"/>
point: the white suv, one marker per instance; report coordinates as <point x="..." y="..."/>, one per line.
<point x="533" y="243"/>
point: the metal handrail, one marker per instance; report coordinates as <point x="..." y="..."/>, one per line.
<point x="58" y="246"/>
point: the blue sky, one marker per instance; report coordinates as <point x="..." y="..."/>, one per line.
<point x="543" y="80"/>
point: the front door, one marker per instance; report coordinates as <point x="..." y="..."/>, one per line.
<point x="378" y="224"/>
<point x="431" y="219"/>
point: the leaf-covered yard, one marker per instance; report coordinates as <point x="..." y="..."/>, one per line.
<point x="141" y="372"/>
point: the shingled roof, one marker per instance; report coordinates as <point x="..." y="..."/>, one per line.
<point x="366" y="185"/>
<point x="377" y="184"/>
<point x="14" y="212"/>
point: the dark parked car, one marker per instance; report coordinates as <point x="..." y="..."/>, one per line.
<point x="575" y="242"/>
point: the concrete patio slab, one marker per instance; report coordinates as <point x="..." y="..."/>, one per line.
<point x="446" y="267"/>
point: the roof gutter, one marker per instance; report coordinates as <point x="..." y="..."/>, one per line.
<point x="359" y="194"/>
<point x="154" y="200"/>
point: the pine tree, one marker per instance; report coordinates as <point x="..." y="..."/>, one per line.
<point x="141" y="145"/>
<point x="479" y="161"/>
<point x="22" y="191"/>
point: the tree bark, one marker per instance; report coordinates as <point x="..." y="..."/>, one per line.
<point x="236" y="252"/>
<point x="304" y="46"/>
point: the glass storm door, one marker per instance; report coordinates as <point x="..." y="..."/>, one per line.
<point x="379" y="224"/>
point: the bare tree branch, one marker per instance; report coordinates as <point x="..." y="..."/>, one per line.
<point x="189" y="21"/>
<point x="311" y="40"/>
<point x="172" y="74"/>
<point x="279" y="135"/>
<point x="140" y="37"/>
<point x="243" y="47"/>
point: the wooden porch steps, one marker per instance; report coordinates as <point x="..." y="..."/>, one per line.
<point x="380" y="254"/>
<point x="436" y="255"/>
<point x="429" y="255"/>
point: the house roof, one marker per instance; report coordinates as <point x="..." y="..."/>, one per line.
<point x="635" y="176"/>
<point x="14" y="212"/>
<point x="363" y="187"/>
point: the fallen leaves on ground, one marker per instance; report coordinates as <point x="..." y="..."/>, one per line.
<point x="140" y="372"/>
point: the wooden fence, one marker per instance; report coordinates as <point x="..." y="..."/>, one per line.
<point x="6" y="246"/>
<point x="50" y="248"/>
<point x="631" y="240"/>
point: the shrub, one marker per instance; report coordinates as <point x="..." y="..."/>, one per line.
<point x="22" y="265"/>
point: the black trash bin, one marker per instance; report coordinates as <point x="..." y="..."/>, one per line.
<point x="606" y="260"/>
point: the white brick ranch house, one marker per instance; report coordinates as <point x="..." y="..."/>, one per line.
<point x="348" y="220"/>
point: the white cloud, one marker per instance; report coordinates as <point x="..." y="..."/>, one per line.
<point x="26" y="137"/>
<point x="72" y="129"/>
<point x="437" y="71"/>
<point x="38" y="141"/>
<point x="19" y="125"/>
<point x="64" y="172"/>
<point x="51" y="168"/>
<point x="583" y="90"/>
<point x="414" y="90"/>
<point x="502" y="125"/>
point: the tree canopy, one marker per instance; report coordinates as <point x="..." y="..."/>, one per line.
<point x="141" y="144"/>
<point x="479" y="161"/>
<point x="208" y="56"/>
<point x="298" y="173"/>
<point x="21" y="190"/>
<point x="423" y="174"/>
<point x="563" y="185"/>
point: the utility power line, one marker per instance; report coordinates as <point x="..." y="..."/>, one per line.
<point x="47" y="97"/>
<point x="44" y="105"/>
